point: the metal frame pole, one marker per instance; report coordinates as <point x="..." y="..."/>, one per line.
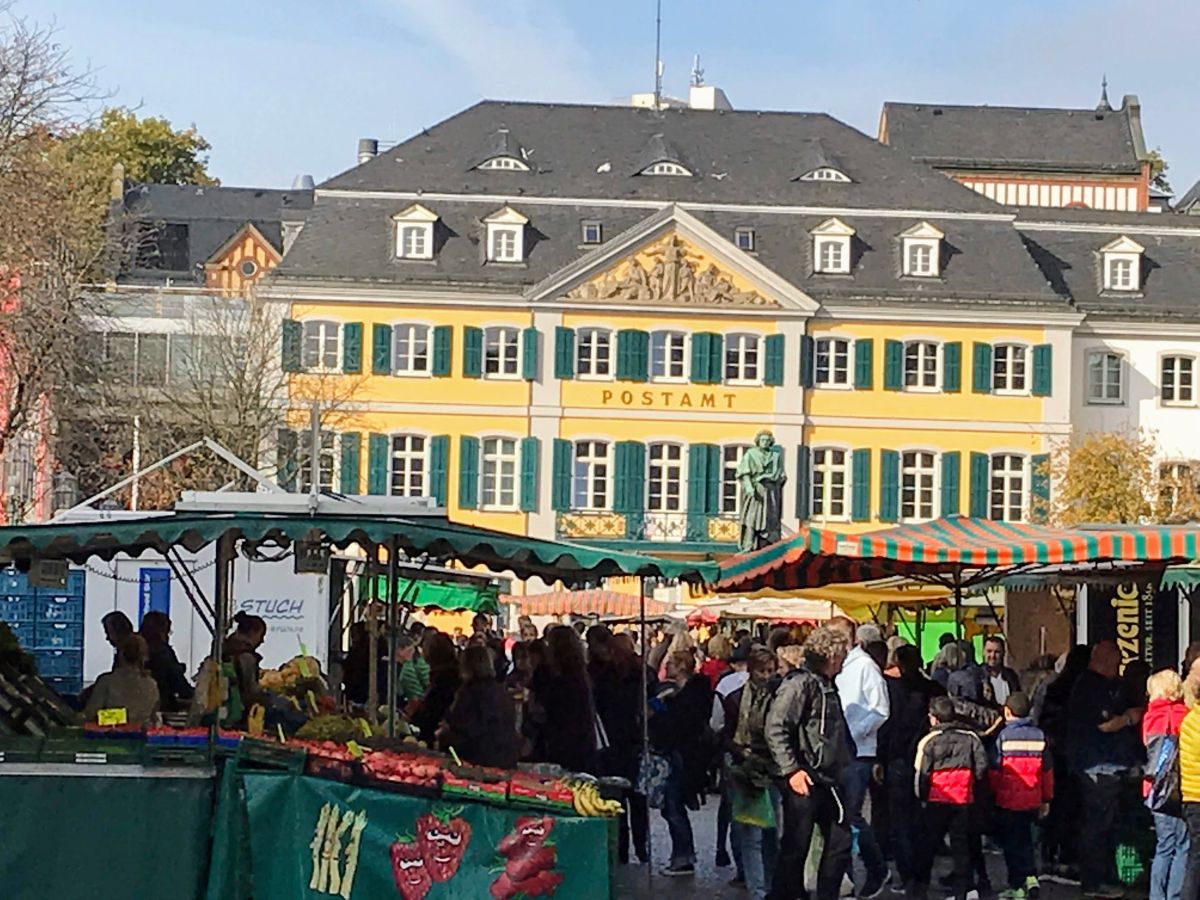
<point x="392" y="551"/>
<point x="645" y="719"/>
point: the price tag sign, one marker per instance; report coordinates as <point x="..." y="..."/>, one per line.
<point x="355" y="750"/>
<point x="116" y="716"/>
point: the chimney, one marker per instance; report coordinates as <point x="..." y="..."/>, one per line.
<point x="306" y="183"/>
<point x="368" y="149"/>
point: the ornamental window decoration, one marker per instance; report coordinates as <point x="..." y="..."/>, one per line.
<point x="921" y="248"/>
<point x="1121" y="261"/>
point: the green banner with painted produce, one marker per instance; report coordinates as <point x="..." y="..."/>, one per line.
<point x="312" y="838"/>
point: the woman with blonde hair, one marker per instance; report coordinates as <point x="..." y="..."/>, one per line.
<point x="1160" y="729"/>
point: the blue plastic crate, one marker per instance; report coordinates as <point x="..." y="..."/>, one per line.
<point x="23" y="632"/>
<point x="15" y="584"/>
<point x="76" y="582"/>
<point x="59" y="663"/>
<point x="58" y="635"/>
<point x="65" y="685"/>
<point x="59" y="608"/>
<point x="16" y="609"/>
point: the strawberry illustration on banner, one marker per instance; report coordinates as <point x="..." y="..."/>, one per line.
<point x="529" y="861"/>
<point x="443" y="836"/>
<point x="413" y="880"/>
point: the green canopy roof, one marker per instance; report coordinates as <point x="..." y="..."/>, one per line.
<point x="436" y="536"/>
<point x="447" y="596"/>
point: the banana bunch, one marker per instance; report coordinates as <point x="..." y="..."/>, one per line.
<point x="588" y="801"/>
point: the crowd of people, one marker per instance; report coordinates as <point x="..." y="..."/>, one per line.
<point x="820" y="742"/>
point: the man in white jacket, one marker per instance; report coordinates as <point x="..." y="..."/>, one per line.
<point x="864" y="695"/>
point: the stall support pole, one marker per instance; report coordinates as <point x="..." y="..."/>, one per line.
<point x="373" y="638"/>
<point x="645" y="717"/>
<point x="393" y="604"/>
<point x="958" y="623"/>
<point x="222" y="596"/>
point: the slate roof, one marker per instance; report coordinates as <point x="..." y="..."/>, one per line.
<point x="736" y="157"/>
<point x="1189" y="202"/>
<point x="1070" y="259"/>
<point x="1004" y="137"/>
<point x="213" y="215"/>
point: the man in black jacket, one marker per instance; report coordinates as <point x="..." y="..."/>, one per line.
<point x="810" y="744"/>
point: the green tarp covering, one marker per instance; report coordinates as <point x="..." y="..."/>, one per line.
<point x="438" y="537"/>
<point x="443" y="595"/>
<point x="94" y="837"/>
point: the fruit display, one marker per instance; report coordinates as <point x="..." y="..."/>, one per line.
<point x="325" y="728"/>
<point x="295" y="677"/>
<point x="402" y="771"/>
<point x="588" y="801"/>
<point x="476" y="783"/>
<point x="540" y="791"/>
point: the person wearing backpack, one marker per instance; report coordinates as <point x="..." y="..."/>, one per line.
<point x="1160" y="733"/>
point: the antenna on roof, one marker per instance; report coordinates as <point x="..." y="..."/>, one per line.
<point x="658" y="66"/>
<point x="697" y="72"/>
<point x="1104" y="105"/>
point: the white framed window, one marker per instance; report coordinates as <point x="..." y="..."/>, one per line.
<point x="668" y="356"/>
<point x="501" y="352"/>
<point x="741" y="358"/>
<point x="414" y="232"/>
<point x="833" y="256"/>
<point x="591" y="232"/>
<point x="1010" y="364"/>
<point x="321" y="349"/>
<point x="1178" y="387"/>
<point x="505" y="236"/>
<point x="590" y="474"/>
<point x="410" y="349"/>
<point x="327" y="461"/>
<point x="665" y="167"/>
<point x="1121" y="261"/>
<point x="408" y="466"/>
<point x="830" y="483"/>
<point x="498" y="473"/>
<point x="918" y="485"/>
<point x="731" y="455"/>
<point x="743" y="239"/>
<point x="825" y="173"/>
<point x="664" y="484"/>
<point x="922" y="366"/>
<point x="593" y="353"/>
<point x="503" y="164"/>
<point x="1105" y="377"/>
<point x="921" y="248"/>
<point x="1008" y="500"/>
<point x="831" y="365"/>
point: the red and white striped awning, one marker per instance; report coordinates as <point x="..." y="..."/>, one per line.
<point x="594" y="602"/>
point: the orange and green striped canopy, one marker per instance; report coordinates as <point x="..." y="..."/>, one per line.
<point x="956" y="544"/>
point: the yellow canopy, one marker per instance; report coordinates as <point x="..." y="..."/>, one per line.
<point x="864" y="600"/>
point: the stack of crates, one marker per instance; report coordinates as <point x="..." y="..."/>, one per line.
<point x="48" y="623"/>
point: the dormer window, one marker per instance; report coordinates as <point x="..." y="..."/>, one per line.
<point x="744" y="239"/>
<point x="666" y="167"/>
<point x="921" y="251"/>
<point x="504" y="164"/>
<point x="414" y="232"/>
<point x="505" y="236"/>
<point x="592" y="232"/>
<point x="1122" y="264"/>
<point x="826" y="173"/>
<point x="831" y="247"/>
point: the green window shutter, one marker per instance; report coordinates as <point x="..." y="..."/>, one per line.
<point x="702" y="358"/>
<point x="529" y="354"/>
<point x="531" y="449"/>
<point x="633" y="355"/>
<point x="803" y="483"/>
<point x="773" y="360"/>
<point x="1039" y="486"/>
<point x="439" y="467"/>
<point x="889" y="486"/>
<point x="351" y="450"/>
<point x="468" y="472"/>
<point x="629" y="464"/>
<point x="352" y="337"/>
<point x="564" y="353"/>
<point x="1043" y="370"/>
<point x="472" y="354"/>
<point x="713" y="504"/>
<point x="808" y="361"/>
<point x="980" y="476"/>
<point x="292" y="338"/>
<point x="981" y="382"/>
<point x="287" y="444"/>
<point x="562" y="467"/>
<point x="377" y="464"/>
<point x="381" y="350"/>
<point x="698" y="480"/>
<point x="443" y="348"/>
<point x="716" y="359"/>
<point x="893" y="366"/>
<point x="952" y="367"/>
<point x="860" y="497"/>
<point x="951" y="470"/>
<point x="864" y="364"/>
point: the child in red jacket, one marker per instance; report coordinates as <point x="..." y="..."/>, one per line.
<point x="1022" y="780"/>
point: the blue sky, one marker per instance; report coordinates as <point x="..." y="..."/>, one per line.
<point x="281" y="87"/>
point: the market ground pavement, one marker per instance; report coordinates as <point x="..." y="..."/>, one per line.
<point x="712" y="882"/>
